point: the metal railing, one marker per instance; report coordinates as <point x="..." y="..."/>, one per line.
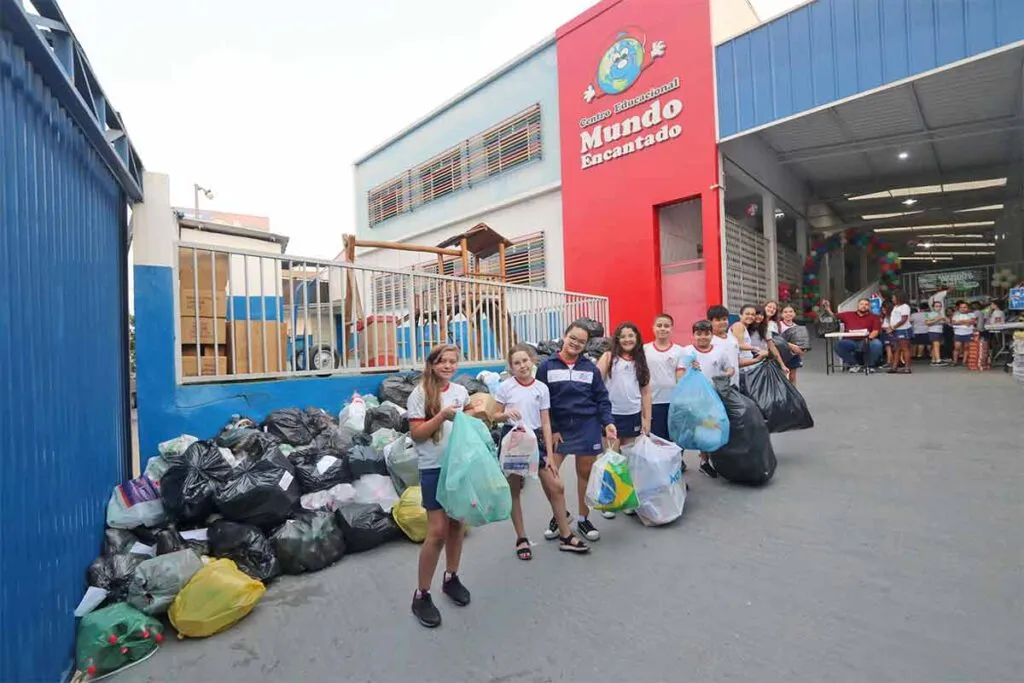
<point x="245" y="315"/>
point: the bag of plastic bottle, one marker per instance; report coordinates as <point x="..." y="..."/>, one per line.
<point x="410" y="515"/>
<point x="246" y="546"/>
<point x="244" y="438"/>
<point x="696" y="416"/>
<point x="319" y="470"/>
<point x="783" y="406"/>
<point x="176" y="446"/>
<point x="364" y="460"/>
<point x="261" y="492"/>
<point x="656" y="466"/>
<point x="189" y="484"/>
<point x="217" y="597"/>
<point x="471" y="487"/>
<point x="331" y="499"/>
<point x="308" y="543"/>
<point x="376" y="488"/>
<point x="136" y="503"/>
<point x="397" y="388"/>
<point x="365" y="526"/>
<point x="403" y="463"/>
<point x="610" y="487"/>
<point x="291" y="426"/>
<point x="158" y="580"/>
<point x="748" y="457"/>
<point x="113" y="573"/>
<point x="353" y="415"/>
<point x="520" y="453"/>
<point x="109" y="639"/>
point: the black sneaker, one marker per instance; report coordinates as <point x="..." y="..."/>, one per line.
<point x="551" y="533"/>
<point x="707" y="468"/>
<point x="587" y="530"/>
<point x="423" y="609"/>
<point x="454" y="589"/>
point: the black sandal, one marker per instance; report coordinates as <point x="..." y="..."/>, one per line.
<point x="524" y="552"/>
<point x="572" y="544"/>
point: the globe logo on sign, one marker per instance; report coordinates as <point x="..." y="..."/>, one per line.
<point x="622" y="64"/>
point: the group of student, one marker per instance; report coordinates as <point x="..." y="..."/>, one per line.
<point x="903" y="334"/>
<point x="577" y="407"/>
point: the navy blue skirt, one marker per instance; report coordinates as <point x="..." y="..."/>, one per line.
<point x="580" y="436"/>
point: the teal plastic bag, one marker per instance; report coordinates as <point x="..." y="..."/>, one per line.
<point x="471" y="487"/>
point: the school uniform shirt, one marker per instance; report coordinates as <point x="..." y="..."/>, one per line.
<point x="714" y="362"/>
<point x="961" y="323"/>
<point x="430" y="453"/>
<point x="528" y="399"/>
<point x="934" y="322"/>
<point x="577" y="391"/>
<point x="898" y="312"/>
<point x="731" y="349"/>
<point x="917" y="322"/>
<point x="623" y="387"/>
<point x="662" y="364"/>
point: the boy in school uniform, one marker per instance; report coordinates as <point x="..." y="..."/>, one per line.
<point x="712" y="360"/>
<point x="663" y="358"/>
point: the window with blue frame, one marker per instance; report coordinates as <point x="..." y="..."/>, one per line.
<point x="510" y="144"/>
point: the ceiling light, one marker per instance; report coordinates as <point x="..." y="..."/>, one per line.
<point x="909" y="201"/>
<point x="954" y="253"/>
<point x="882" y="216"/>
<point x="932" y="189"/>
<point x="990" y="207"/>
<point x="939" y="226"/>
<point x="903" y="156"/>
<point x="779" y="213"/>
<point x="960" y="236"/>
<point x="933" y="259"/>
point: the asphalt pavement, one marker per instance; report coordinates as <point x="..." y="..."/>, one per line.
<point x="888" y="547"/>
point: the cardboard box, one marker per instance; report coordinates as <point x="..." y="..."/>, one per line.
<point x="211" y="366"/>
<point x="211" y="330"/>
<point x="254" y="337"/>
<point x="206" y="299"/>
<point x="211" y="274"/>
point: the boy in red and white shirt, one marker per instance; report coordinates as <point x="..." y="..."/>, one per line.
<point x="711" y="360"/>
<point x="662" y="359"/>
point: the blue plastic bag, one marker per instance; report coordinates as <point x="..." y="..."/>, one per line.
<point x="696" y="416"/>
<point x="471" y="487"/>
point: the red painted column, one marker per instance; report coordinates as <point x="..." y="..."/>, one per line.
<point x="637" y="130"/>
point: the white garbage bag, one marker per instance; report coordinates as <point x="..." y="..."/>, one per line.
<point x="331" y="499"/>
<point x="520" y="453"/>
<point x="134" y="504"/>
<point x="376" y="488"/>
<point x="353" y="415"/>
<point x="657" y="469"/>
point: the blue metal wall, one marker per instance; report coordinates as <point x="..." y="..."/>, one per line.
<point x="832" y="49"/>
<point x="63" y="419"/>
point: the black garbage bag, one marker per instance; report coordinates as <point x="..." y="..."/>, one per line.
<point x="310" y="542"/>
<point x="383" y="417"/>
<point x="593" y="328"/>
<point x="170" y="540"/>
<point x="319" y="420"/>
<point x="396" y="388"/>
<point x="549" y="348"/>
<point x="319" y="470"/>
<point x="191" y="479"/>
<point x="339" y="439"/>
<point x="363" y="460"/>
<point x="783" y="406"/>
<point x="117" y="541"/>
<point x="472" y="384"/>
<point x="598" y="346"/>
<point x="261" y="492"/>
<point x="366" y="526"/>
<point x="243" y="437"/>
<point x="748" y="457"/>
<point x="289" y="425"/>
<point x="113" y="573"/>
<point x="246" y="546"/>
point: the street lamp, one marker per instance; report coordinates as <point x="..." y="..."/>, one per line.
<point x="206" y="191"/>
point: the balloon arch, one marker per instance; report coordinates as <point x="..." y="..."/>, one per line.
<point x="888" y="260"/>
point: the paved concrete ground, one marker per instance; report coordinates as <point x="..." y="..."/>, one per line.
<point x="889" y="547"/>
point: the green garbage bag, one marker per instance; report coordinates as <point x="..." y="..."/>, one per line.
<point x="471" y="487"/>
<point x="113" y="637"/>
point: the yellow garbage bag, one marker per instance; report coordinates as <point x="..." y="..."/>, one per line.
<point x="217" y="597"/>
<point x="409" y="514"/>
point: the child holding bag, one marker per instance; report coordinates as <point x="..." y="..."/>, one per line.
<point x="432" y="406"/>
<point x="581" y="417"/>
<point x="527" y="402"/>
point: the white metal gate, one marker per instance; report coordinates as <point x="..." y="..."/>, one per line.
<point x="746" y="266"/>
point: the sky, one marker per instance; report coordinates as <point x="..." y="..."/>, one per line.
<point x="269" y="107"/>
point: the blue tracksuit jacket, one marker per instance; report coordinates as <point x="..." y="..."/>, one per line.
<point x="577" y="394"/>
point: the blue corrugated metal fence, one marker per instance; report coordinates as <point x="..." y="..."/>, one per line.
<point x="63" y="422"/>
<point x="832" y="49"/>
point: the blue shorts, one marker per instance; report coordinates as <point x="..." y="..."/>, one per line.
<point x="659" y="420"/>
<point x="428" y="487"/>
<point x="902" y="335"/>
<point x="542" y="447"/>
<point x="580" y="436"/>
<point x="963" y="338"/>
<point x="935" y="336"/>
<point x="627" y="426"/>
<point x="921" y="339"/>
<point x="887" y="338"/>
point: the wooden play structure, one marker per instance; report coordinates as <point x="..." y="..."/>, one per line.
<point x="479" y="298"/>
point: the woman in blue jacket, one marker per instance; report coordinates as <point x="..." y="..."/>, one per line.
<point x="581" y="416"/>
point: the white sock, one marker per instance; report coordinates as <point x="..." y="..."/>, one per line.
<point x="580" y="518"/>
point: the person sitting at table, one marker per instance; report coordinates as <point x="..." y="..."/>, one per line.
<point x="867" y="350"/>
